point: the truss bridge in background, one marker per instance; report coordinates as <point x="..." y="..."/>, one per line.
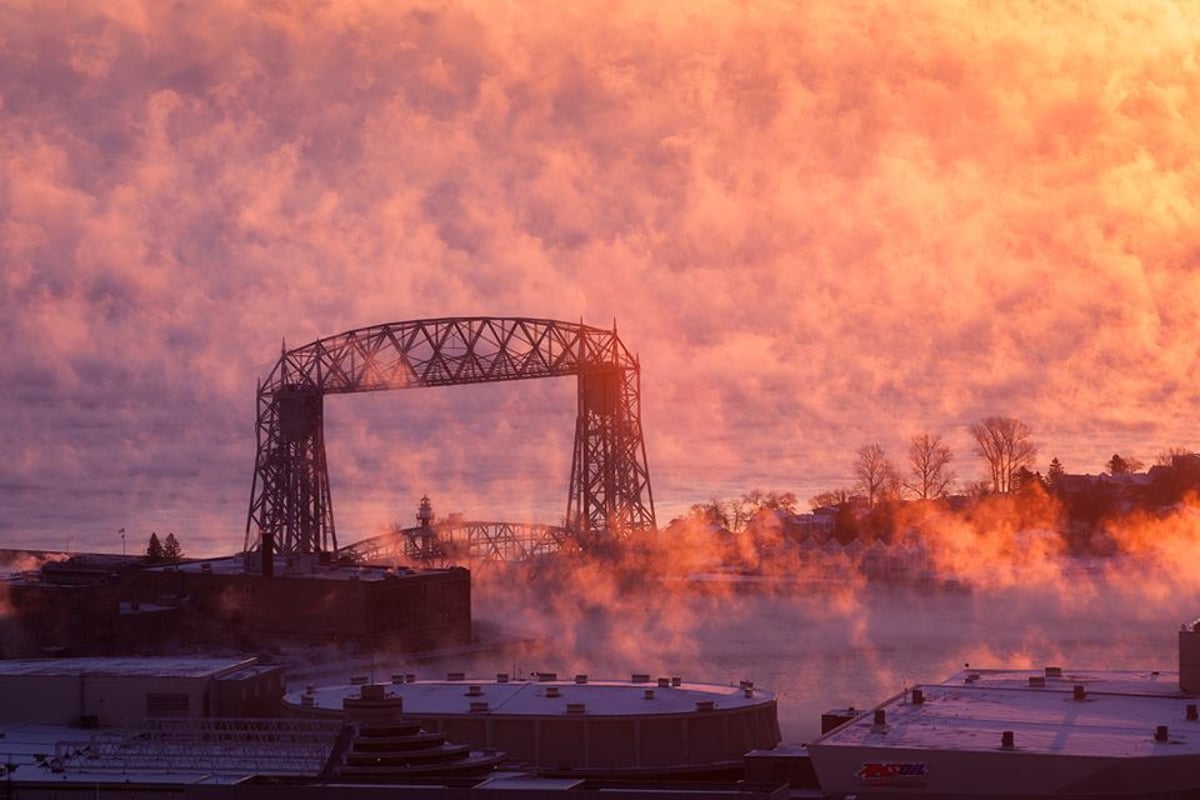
<point x="458" y="542"/>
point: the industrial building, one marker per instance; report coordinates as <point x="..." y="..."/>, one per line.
<point x="97" y="604"/>
<point x="120" y="692"/>
<point x="639" y="740"/>
<point x="580" y="726"/>
<point x="305" y="598"/>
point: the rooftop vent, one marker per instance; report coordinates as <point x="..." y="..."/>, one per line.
<point x="705" y="705"/>
<point x="1037" y="680"/>
<point x="1161" y="733"/>
<point x="358" y="680"/>
<point x="1007" y="740"/>
<point x="1053" y="672"/>
<point x="576" y="708"/>
<point x="456" y="676"/>
<point x="918" y="696"/>
<point x="676" y="680"/>
<point x="552" y="691"/>
<point x="474" y="691"/>
<point x="664" y="682"/>
<point x="501" y="677"/>
<point x="1080" y="692"/>
<point x="648" y="694"/>
<point x="581" y="678"/>
<point x="479" y="706"/>
<point x="639" y="677"/>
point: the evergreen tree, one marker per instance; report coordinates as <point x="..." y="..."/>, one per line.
<point x="171" y="551"/>
<point x="154" y="550"/>
<point x="1055" y="472"/>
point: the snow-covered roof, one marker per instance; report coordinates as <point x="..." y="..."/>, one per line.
<point x="1115" y="714"/>
<point x="157" y="666"/>
<point x="540" y="698"/>
<point x="299" y="566"/>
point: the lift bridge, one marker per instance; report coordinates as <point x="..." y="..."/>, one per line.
<point x="609" y="497"/>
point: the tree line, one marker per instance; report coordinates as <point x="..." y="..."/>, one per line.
<point x="1004" y="445"/>
<point x="164" y="551"/>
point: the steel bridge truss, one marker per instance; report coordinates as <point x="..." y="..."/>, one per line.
<point x="291" y="510"/>
<point x="448" y="543"/>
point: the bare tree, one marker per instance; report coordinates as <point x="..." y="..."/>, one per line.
<point x="834" y="497"/>
<point x="1003" y="442"/>
<point x="929" y="467"/>
<point x="876" y="475"/>
<point x="1118" y="465"/>
<point x="1166" y="458"/>
<point x="715" y="512"/>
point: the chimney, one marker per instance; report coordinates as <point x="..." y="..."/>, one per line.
<point x="268" y="554"/>
<point x="1189" y="658"/>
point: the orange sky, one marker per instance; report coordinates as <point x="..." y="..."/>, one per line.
<point x="820" y="225"/>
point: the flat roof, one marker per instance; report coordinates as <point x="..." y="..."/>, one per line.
<point x="140" y="666"/>
<point x="535" y="697"/>
<point x="298" y="566"/>
<point x="1117" y="715"/>
<point x="32" y="748"/>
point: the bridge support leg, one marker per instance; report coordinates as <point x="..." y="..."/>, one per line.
<point x="610" y="485"/>
<point x="295" y="504"/>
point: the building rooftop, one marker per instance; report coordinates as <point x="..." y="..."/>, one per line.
<point x="293" y="566"/>
<point x="140" y="666"/>
<point x="167" y="751"/>
<point x="544" y="697"/>
<point x="54" y="752"/>
<point x="1051" y="711"/>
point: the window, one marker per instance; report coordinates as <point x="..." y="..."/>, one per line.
<point x="167" y="704"/>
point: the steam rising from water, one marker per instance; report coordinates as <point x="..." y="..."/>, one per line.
<point x="823" y="637"/>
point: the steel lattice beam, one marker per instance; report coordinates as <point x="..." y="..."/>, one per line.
<point x="610" y="484"/>
<point x="461" y="542"/>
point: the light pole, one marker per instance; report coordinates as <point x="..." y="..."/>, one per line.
<point x="122" y="532"/>
<point x="9" y="768"/>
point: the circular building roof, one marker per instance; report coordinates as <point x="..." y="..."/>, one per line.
<point x="581" y="726"/>
<point x="543" y="696"/>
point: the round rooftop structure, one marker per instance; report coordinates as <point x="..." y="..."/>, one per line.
<point x="579" y="726"/>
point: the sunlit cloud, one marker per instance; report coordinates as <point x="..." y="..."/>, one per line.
<point x="819" y="225"/>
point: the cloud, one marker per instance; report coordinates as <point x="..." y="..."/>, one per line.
<point x="818" y="225"/>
